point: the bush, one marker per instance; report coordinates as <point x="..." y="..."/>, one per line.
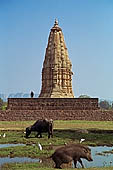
<point x="105" y="105"/>
<point x="1" y="103"/>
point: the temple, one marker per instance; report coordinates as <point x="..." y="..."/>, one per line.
<point x="56" y="71"/>
<point x="56" y="100"/>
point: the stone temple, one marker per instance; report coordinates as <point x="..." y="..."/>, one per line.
<point x="56" y="100"/>
<point x="57" y="67"/>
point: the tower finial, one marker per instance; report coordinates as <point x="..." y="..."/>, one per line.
<point x="56" y="23"/>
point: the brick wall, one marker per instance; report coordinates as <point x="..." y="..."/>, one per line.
<point x="54" y="108"/>
<point x="94" y="115"/>
<point x="53" y="103"/>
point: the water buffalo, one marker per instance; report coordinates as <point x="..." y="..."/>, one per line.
<point x="69" y="153"/>
<point x="41" y="126"/>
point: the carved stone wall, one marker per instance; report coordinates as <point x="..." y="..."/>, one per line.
<point x="56" y="72"/>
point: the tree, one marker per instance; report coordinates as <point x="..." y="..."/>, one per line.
<point x="84" y="96"/>
<point x="104" y="104"/>
<point x="1" y="103"/>
<point x="112" y="105"/>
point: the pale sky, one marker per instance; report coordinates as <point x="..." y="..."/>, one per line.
<point x="87" y="26"/>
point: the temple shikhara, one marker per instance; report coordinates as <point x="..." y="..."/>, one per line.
<point x="57" y="67"/>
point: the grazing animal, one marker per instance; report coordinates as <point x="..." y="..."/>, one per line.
<point x="41" y="126"/>
<point x="73" y="152"/>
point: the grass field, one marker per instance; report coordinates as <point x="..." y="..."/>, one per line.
<point x="94" y="132"/>
<point x="59" y="124"/>
<point x="35" y="166"/>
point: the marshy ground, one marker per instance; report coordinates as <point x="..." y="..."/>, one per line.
<point x="95" y="134"/>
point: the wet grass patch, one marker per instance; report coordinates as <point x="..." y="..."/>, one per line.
<point x="61" y="137"/>
<point x="95" y="134"/>
<point x="35" y="166"/>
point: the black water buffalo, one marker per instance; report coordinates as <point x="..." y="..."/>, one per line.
<point x="41" y="126"/>
<point x="73" y="152"/>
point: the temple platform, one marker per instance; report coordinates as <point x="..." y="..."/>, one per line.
<point x="52" y="104"/>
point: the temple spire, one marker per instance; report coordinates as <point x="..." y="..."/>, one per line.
<point x="56" y="72"/>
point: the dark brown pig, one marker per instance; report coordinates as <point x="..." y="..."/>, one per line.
<point x="73" y="152"/>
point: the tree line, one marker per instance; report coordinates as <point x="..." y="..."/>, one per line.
<point x="103" y="104"/>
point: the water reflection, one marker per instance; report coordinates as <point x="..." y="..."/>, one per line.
<point x="17" y="159"/>
<point x="99" y="160"/>
<point x="10" y="145"/>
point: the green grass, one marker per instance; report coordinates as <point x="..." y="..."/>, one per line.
<point x="24" y="151"/>
<point x="61" y="136"/>
<point x="94" y="132"/>
<point x="35" y="166"/>
<point x="83" y="124"/>
<point x="49" y="145"/>
<point x="4" y="106"/>
<point x="15" y="125"/>
<point x="59" y="124"/>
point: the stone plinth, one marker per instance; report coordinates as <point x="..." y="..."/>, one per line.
<point x="90" y="115"/>
<point x="52" y="103"/>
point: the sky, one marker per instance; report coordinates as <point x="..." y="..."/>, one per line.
<point x="87" y="27"/>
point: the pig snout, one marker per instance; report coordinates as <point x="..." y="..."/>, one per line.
<point x="89" y="158"/>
